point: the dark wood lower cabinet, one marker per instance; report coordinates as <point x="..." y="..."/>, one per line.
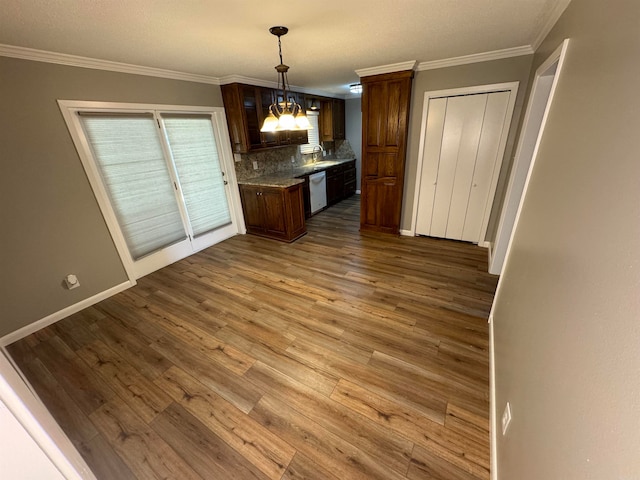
<point x="341" y="182"/>
<point x="306" y="196"/>
<point x="383" y="191"/>
<point x="335" y="185"/>
<point x="274" y="212"/>
<point x="350" y="180"/>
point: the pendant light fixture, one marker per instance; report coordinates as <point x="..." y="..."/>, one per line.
<point x="286" y="114"/>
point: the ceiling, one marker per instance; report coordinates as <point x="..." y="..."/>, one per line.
<point x="327" y="40"/>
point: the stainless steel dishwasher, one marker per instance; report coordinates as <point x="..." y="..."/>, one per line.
<point x="318" y="191"/>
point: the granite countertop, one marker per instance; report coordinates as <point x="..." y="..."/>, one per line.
<point x="288" y="179"/>
<point x="276" y="180"/>
<point x="310" y="168"/>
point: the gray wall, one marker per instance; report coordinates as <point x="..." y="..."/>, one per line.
<point x="52" y="224"/>
<point x="353" y="119"/>
<point x="567" y="317"/>
<point x="482" y="73"/>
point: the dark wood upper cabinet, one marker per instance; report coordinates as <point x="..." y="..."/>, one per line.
<point x="253" y="113"/>
<point x="246" y="107"/>
<point x="385" y="121"/>
<point x="267" y="96"/>
<point x="294" y="137"/>
<point x="338" y="119"/>
<point x="326" y="121"/>
<point x="312" y="102"/>
<point x="332" y="120"/>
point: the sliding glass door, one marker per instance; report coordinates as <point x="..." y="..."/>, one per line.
<point x="160" y="180"/>
<point x="201" y="180"/>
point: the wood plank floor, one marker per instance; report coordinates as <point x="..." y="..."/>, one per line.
<point x="340" y="356"/>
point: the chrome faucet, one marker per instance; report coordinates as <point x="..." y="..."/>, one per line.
<point x="314" y="155"/>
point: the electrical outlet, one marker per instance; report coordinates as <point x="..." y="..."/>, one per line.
<point x="506" y="418"/>
<point x="255" y="164"/>
<point x="71" y="281"/>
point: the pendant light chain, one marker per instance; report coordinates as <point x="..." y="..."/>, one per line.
<point x="285" y="79"/>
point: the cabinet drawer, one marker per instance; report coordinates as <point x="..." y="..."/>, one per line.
<point x="349" y="174"/>
<point x="349" y="188"/>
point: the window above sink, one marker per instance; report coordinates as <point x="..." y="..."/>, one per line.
<point x="313" y="133"/>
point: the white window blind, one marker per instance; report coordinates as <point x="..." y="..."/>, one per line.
<point x="195" y="156"/>
<point x="313" y="135"/>
<point x="129" y="156"/>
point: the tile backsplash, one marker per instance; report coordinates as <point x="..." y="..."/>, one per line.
<point x="278" y="160"/>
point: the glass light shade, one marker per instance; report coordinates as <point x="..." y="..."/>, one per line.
<point x="286" y="122"/>
<point x="270" y="123"/>
<point x="302" y="122"/>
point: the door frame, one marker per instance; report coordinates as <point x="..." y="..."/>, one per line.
<point x="177" y="251"/>
<point x="539" y="104"/>
<point x="559" y="56"/>
<point x="511" y="87"/>
<point x="22" y="402"/>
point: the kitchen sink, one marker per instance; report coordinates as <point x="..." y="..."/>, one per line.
<point x="325" y="164"/>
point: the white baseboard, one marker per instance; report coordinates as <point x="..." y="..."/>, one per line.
<point x="406" y="233"/>
<point x="65" y="312"/>
<point x="493" y="422"/>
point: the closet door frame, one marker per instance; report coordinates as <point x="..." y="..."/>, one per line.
<point x="172" y="253"/>
<point x="511" y="87"/>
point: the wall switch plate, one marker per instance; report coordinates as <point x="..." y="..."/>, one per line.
<point x="255" y="164"/>
<point x="506" y="418"/>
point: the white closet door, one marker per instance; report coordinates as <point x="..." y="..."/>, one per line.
<point x="433" y="144"/>
<point x="459" y="149"/>
<point x="486" y="165"/>
<point x="463" y="136"/>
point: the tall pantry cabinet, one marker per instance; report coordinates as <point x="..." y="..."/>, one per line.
<point x="385" y="123"/>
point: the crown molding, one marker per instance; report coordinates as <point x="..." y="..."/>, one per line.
<point x="248" y="80"/>
<point x="476" y="57"/>
<point x="268" y="84"/>
<point x="97" y="64"/>
<point x="557" y="12"/>
<point x="393" y="67"/>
